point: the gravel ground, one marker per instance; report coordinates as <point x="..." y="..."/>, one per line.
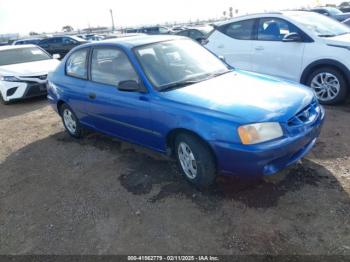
<point x="98" y="195"/>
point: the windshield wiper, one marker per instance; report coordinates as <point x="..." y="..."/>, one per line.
<point x="175" y="85"/>
<point x="184" y="83"/>
<point x="217" y="74"/>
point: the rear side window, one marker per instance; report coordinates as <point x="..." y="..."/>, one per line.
<point x="111" y="66"/>
<point x="76" y="64"/>
<point x="242" y="30"/>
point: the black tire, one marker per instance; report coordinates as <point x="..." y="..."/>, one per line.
<point x="77" y="133"/>
<point x="204" y="159"/>
<point x="342" y="94"/>
<point x="2" y="101"/>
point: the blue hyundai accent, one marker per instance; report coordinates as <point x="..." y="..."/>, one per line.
<point x="171" y="95"/>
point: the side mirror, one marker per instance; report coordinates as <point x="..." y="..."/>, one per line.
<point x="56" y="56"/>
<point x="292" y="37"/>
<point x="129" y="86"/>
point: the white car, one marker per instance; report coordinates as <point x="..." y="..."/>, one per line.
<point x="300" y="46"/>
<point x="23" y="71"/>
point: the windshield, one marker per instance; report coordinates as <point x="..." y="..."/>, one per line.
<point x="22" y="55"/>
<point x="179" y="61"/>
<point x="319" y="24"/>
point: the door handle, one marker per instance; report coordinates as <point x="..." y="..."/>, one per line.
<point x="92" y="95"/>
<point x="259" y="48"/>
<point x="221" y="46"/>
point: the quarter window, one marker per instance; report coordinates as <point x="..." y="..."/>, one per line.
<point x="111" y="66"/>
<point x="274" y="29"/>
<point x="242" y="30"/>
<point x="76" y="64"/>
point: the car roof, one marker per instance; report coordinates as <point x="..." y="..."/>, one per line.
<point x="10" y="47"/>
<point x="133" y="41"/>
<point x="258" y="15"/>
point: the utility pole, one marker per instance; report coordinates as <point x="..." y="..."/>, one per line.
<point x="111" y="11"/>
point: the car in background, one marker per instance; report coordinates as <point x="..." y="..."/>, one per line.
<point x="305" y="47"/>
<point x="170" y="94"/>
<point x="61" y="44"/>
<point x="199" y="33"/>
<point x="347" y="22"/>
<point x="332" y="12"/>
<point x="154" y="30"/>
<point x="176" y="29"/>
<point x="92" y="37"/>
<point x="27" y="41"/>
<point x="344" y="7"/>
<point x="23" y="72"/>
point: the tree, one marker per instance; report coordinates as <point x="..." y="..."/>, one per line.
<point x="231" y="11"/>
<point x="67" y="28"/>
<point x="33" y="33"/>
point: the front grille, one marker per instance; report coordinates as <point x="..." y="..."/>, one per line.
<point x="306" y="115"/>
<point x="35" y="90"/>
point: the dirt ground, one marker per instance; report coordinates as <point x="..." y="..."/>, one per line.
<point x="97" y="195"/>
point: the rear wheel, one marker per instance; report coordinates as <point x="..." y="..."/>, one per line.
<point x="70" y="121"/>
<point x="195" y="160"/>
<point x="329" y="85"/>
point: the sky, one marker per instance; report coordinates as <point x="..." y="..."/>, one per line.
<point x="23" y="16"/>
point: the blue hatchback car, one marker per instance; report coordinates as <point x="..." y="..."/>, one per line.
<point x="172" y="95"/>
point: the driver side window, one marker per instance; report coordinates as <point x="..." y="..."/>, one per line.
<point x="274" y="29"/>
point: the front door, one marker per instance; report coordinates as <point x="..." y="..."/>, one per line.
<point x="274" y="57"/>
<point x="115" y="112"/>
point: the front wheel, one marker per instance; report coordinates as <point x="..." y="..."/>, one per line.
<point x="70" y="121"/>
<point x="195" y="160"/>
<point x="329" y="85"/>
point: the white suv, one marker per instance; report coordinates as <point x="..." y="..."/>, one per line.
<point x="300" y="46"/>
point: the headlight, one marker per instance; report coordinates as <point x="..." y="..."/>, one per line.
<point x="9" y="78"/>
<point x="260" y="132"/>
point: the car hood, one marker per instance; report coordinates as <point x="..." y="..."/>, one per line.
<point x="246" y="96"/>
<point x="32" y="68"/>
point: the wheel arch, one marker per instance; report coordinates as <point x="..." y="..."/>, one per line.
<point x="171" y="136"/>
<point x="325" y="63"/>
<point x="59" y="104"/>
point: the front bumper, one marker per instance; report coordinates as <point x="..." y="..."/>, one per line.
<point x="267" y="158"/>
<point x="22" y="90"/>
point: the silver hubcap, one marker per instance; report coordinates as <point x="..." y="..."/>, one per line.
<point x="187" y="160"/>
<point x="326" y="86"/>
<point x="69" y="121"/>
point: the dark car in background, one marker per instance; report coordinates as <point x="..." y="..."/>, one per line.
<point x="154" y="30"/>
<point x="61" y="44"/>
<point x="344" y="7"/>
<point x="332" y="12"/>
<point x="196" y="33"/>
<point x="27" y="41"/>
